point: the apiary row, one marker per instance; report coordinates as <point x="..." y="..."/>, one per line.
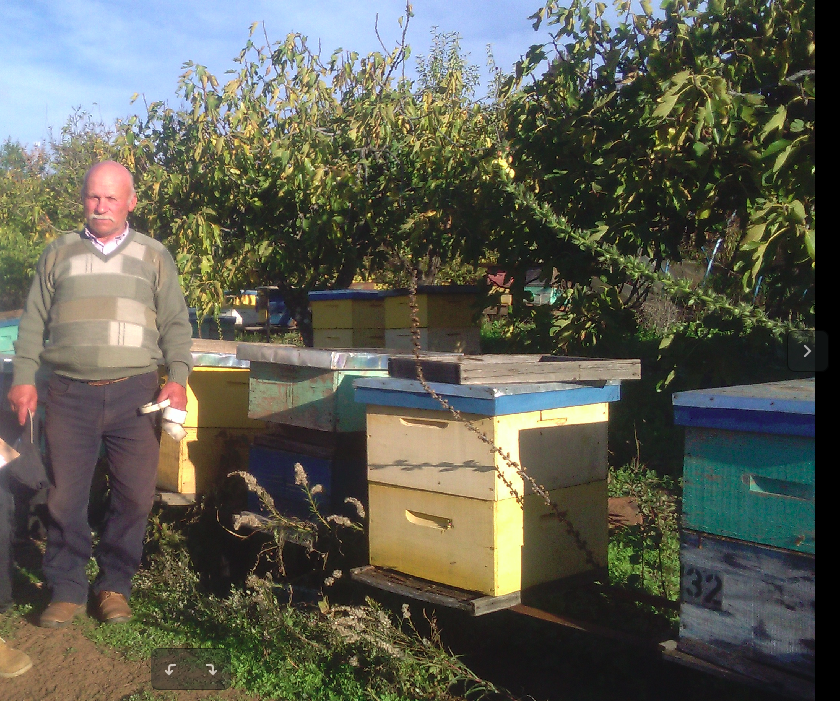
<point x="446" y="319"/>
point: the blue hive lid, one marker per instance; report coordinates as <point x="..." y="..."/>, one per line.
<point x="785" y="408"/>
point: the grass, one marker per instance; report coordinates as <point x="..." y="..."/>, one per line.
<point x="318" y="652"/>
<point x="646" y="556"/>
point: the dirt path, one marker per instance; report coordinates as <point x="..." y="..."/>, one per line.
<point x="69" y="667"/>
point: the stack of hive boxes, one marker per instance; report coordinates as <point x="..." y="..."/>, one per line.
<point x="748" y="545"/>
<point x="439" y="507"/>
<point x="348" y="318"/>
<point x="447" y="319"/>
<point x="306" y="396"/>
<point x="219" y="431"/>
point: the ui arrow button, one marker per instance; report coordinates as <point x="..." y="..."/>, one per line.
<point x="807" y="351"/>
<point x="191" y="668"/>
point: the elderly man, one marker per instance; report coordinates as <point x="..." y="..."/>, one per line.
<point x="105" y="306"/>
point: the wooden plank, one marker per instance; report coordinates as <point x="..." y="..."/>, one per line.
<point x="584" y="626"/>
<point x="750" y="601"/>
<point x="473" y="603"/>
<point x="755" y="487"/>
<point x="209" y="345"/>
<point x="446" y="340"/>
<point x="499" y="369"/>
<point x="789" y="396"/>
<point x="174" y="498"/>
<point x="736" y="668"/>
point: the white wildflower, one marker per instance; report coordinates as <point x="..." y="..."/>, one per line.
<point x="357" y="504"/>
<point x="249" y="520"/>
<point x="339" y="520"/>
<point x="406" y="612"/>
<point x="317" y="489"/>
<point x="300" y="475"/>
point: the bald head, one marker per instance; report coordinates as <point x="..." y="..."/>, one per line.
<point x="108" y="197"/>
<point x="117" y="169"/>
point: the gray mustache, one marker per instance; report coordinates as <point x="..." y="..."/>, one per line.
<point x="102" y="216"/>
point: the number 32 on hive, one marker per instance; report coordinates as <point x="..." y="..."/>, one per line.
<point x="703" y="588"/>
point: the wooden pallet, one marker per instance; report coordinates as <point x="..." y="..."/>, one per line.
<point x="500" y="369"/>
<point x="473" y="603"/>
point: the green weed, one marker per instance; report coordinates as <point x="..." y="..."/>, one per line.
<point x="646" y="555"/>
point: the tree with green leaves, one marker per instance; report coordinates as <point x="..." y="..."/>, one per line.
<point x="685" y="134"/>
<point x="302" y="171"/>
<point x="673" y="130"/>
<point x="40" y="197"/>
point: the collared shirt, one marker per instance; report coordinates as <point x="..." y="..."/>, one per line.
<point x="108" y="247"/>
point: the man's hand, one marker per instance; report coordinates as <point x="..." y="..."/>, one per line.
<point x="175" y="393"/>
<point x="24" y="398"/>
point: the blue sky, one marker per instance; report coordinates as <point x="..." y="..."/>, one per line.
<point x="59" y="54"/>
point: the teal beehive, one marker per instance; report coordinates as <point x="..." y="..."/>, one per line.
<point x="749" y="469"/>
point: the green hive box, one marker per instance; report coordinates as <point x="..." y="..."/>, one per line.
<point x="8" y="332"/>
<point x="749" y="470"/>
<point x="308" y="387"/>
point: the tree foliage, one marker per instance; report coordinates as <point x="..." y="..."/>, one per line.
<point x="672" y="130"/>
<point x="301" y="171"/>
<point x="40" y="196"/>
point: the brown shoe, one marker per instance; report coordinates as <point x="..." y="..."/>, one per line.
<point x="112" y="607"/>
<point x="59" y="614"/>
<point x="13" y="662"/>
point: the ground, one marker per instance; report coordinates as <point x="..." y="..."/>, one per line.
<point x="69" y="667"/>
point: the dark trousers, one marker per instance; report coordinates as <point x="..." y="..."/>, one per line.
<point x="79" y="419"/>
<point x="7" y="510"/>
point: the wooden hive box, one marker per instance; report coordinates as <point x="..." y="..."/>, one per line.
<point x="9" y="323"/>
<point x="348" y="338"/>
<point x="347" y="309"/>
<point x="439" y="510"/>
<point x="749" y="470"/>
<point x="446" y="340"/>
<point x="491" y="547"/>
<point x="336" y="461"/>
<point x="308" y="387"/>
<point x="203" y="458"/>
<point x="431" y="450"/>
<point x="438" y="306"/>
<point x="742" y="600"/>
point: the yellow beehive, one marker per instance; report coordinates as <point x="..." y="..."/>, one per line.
<point x="348" y="313"/>
<point x="348" y="338"/>
<point x="430" y="450"/>
<point x="492" y="547"/>
<point x="203" y="458"/>
<point x="443" y="340"/>
<point x="441" y="309"/>
<point x="217" y="424"/>
<point x="217" y="397"/>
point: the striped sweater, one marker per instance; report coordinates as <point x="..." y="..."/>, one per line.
<point x="97" y="317"/>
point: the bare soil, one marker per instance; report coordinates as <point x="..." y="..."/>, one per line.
<point x="69" y="667"/>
